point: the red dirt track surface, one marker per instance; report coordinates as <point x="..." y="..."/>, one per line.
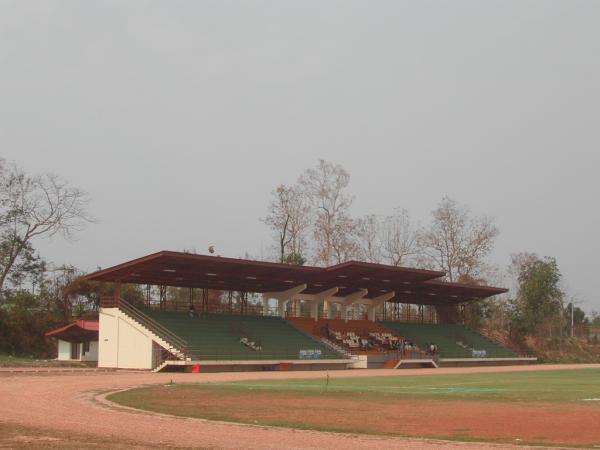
<point x="66" y="402"/>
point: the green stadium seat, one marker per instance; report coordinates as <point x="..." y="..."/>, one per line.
<point x="452" y="340"/>
<point x="217" y="336"/>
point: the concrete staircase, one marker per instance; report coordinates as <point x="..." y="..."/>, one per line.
<point x="169" y="341"/>
<point x="391" y="364"/>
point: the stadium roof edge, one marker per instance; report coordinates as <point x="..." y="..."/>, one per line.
<point x="171" y="268"/>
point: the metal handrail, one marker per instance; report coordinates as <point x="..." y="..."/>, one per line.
<point x="152" y="324"/>
<point x="379" y="317"/>
<point x="314" y="338"/>
<point x="158" y="329"/>
<point x="183" y="306"/>
<point x="336" y="347"/>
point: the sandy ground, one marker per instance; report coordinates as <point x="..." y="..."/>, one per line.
<point x="69" y="402"/>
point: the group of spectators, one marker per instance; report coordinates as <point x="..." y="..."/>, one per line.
<point x="377" y="340"/>
<point x="406" y="346"/>
<point x="431" y="349"/>
<point x="391" y="342"/>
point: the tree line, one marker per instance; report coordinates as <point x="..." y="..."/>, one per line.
<point x="311" y="222"/>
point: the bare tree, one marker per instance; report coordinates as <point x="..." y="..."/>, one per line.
<point x="392" y="239"/>
<point x="32" y="207"/>
<point x="289" y="217"/>
<point x="401" y="238"/>
<point x="458" y="243"/>
<point x="369" y="231"/>
<point x="325" y="186"/>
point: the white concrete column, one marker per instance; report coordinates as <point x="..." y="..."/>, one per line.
<point x="281" y="304"/>
<point x="314" y="310"/>
<point x="344" y="311"/>
<point x="283" y="297"/>
<point x="371" y="313"/>
<point x="375" y="302"/>
<point x="320" y="299"/>
<point x="328" y="308"/>
<point x="349" y="300"/>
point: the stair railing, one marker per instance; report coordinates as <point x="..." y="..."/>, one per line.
<point x="336" y="347"/>
<point x="143" y="319"/>
<point x="315" y="339"/>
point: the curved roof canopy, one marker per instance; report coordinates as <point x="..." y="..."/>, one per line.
<point x="214" y="272"/>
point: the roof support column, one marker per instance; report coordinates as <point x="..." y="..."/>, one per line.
<point x="318" y="299"/>
<point x="377" y="301"/>
<point x="314" y="310"/>
<point x="349" y="300"/>
<point x="281" y="305"/>
<point x="327" y="308"/>
<point x="283" y="297"/>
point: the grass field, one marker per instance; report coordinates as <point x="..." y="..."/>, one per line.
<point x="17" y="359"/>
<point x="554" y="407"/>
<point x="26" y="361"/>
<point x="554" y="386"/>
<point x="558" y="386"/>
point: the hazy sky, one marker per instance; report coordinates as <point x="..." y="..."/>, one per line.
<point x="180" y="117"/>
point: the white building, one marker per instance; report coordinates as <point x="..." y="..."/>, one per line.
<point x="77" y="341"/>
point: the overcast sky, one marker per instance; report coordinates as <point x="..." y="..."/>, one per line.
<point x="180" y="117"/>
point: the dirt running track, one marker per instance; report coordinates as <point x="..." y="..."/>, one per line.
<point x="66" y="402"/>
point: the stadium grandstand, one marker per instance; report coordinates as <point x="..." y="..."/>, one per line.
<point x="239" y="314"/>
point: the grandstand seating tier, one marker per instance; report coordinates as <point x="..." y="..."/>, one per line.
<point x="452" y="340"/>
<point x="361" y="328"/>
<point x="217" y="336"/>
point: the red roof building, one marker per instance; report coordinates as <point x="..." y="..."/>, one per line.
<point x="77" y="341"/>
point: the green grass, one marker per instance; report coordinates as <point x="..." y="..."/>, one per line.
<point x="29" y="361"/>
<point x="551" y="386"/>
<point x="20" y="359"/>
<point x="286" y="402"/>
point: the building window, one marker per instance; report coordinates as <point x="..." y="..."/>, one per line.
<point x="86" y="347"/>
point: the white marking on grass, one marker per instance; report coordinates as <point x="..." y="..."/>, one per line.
<point x="340" y="386"/>
<point x="457" y="390"/>
<point x="450" y="388"/>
